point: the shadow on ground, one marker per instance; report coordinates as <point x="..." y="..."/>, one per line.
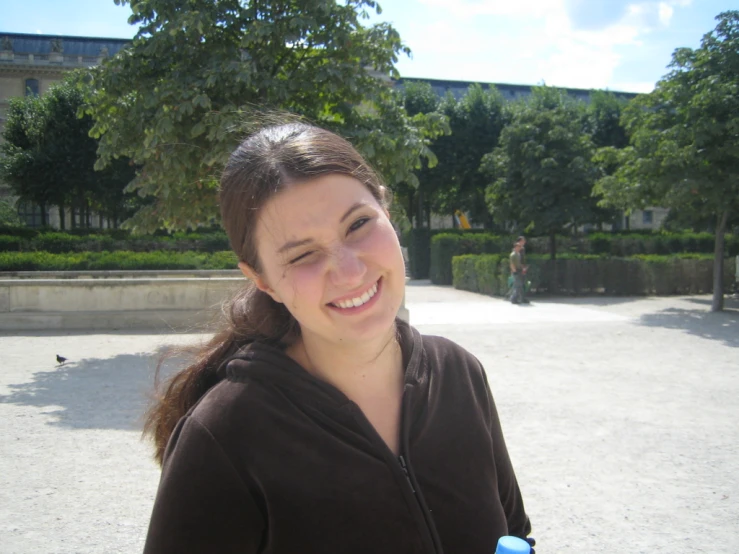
<point x="585" y="300"/>
<point x="110" y="393"/>
<point x="719" y="326"/>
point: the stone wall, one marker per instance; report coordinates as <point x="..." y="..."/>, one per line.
<point x="167" y="300"/>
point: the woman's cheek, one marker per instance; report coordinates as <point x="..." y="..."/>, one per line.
<point x="382" y="239"/>
<point x="306" y="277"/>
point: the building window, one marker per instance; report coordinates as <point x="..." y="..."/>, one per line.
<point x="647" y="217"/>
<point x="31" y="214"/>
<point x="31" y="87"/>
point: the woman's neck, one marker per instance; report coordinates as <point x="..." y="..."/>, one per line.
<point x="358" y="370"/>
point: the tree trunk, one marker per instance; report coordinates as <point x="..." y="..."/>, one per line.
<point x="62" y="218"/>
<point x="553" y="245"/>
<point x="717" y="304"/>
<point x="411" y="215"/>
<point x="43" y="215"/>
<point x="419" y="209"/>
<point x="553" y="257"/>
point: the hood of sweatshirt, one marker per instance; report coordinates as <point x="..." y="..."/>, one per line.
<point x="270" y="365"/>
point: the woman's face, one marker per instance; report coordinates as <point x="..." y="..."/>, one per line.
<point x="330" y="254"/>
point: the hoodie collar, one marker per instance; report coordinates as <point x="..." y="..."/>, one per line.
<point x="259" y="361"/>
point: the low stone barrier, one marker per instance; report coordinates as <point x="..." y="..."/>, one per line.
<point x="156" y="300"/>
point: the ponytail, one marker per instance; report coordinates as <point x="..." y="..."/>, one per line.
<point x="251" y="315"/>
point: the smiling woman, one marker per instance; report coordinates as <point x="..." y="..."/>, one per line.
<point x="318" y="422"/>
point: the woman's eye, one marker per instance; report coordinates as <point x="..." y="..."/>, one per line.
<point x="358" y="223"/>
<point x="302" y="256"/>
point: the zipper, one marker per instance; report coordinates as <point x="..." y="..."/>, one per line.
<point x="404" y="467"/>
<point x="425" y="513"/>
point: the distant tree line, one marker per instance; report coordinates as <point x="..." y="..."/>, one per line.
<point x="142" y="137"/>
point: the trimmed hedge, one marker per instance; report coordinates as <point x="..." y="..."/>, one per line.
<point x="588" y="274"/>
<point x="418" y="242"/>
<point x="658" y="243"/>
<point x="120" y="260"/>
<point x="445" y="246"/>
<point x="482" y="273"/>
<point x="61" y="242"/>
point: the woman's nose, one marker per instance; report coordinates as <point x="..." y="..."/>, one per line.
<point x="348" y="268"/>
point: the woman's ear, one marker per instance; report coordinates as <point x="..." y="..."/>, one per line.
<point x="257" y="279"/>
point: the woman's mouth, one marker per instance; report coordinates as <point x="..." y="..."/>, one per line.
<point x="361" y="301"/>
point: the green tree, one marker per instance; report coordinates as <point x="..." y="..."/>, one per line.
<point x="177" y="100"/>
<point x="23" y="165"/>
<point x="9" y="214"/>
<point x="542" y="175"/>
<point x="419" y="99"/>
<point x="476" y="121"/>
<point x="684" y="140"/>
<point x="49" y="156"/>
<point x="603" y="123"/>
<point x="604" y="119"/>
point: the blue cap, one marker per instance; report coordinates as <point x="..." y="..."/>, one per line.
<point x="512" y="545"/>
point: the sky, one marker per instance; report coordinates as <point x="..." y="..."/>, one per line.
<point x="621" y="45"/>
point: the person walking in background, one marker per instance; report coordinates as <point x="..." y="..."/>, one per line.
<point x="518" y="271"/>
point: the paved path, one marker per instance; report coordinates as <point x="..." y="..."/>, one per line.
<point x="620" y="415"/>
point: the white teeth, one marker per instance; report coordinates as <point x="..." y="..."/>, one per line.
<point x="356" y="302"/>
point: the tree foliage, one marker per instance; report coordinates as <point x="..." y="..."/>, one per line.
<point x="476" y="121"/>
<point x="542" y="175"/>
<point x="604" y="119"/>
<point x="49" y="157"/>
<point x="684" y="146"/>
<point x="9" y="214"/>
<point x="179" y="98"/>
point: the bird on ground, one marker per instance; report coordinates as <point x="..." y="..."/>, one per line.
<point x="60" y="359"/>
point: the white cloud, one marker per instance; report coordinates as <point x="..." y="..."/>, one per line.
<point x="632" y="86"/>
<point x="530" y="41"/>
<point x="665" y="13"/>
<point x="474" y="8"/>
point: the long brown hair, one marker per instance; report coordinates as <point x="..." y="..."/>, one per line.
<point x="263" y="165"/>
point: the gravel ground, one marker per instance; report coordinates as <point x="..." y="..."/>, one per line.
<point x="620" y="416"/>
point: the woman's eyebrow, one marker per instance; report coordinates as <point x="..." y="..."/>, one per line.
<point x="295" y="243"/>
<point x="353" y="208"/>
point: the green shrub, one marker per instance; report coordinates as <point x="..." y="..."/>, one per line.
<point x="445" y="246"/>
<point x="119" y="260"/>
<point x="690" y="273"/>
<point x="487" y="268"/>
<point x="58" y="242"/>
<point x="115" y="239"/>
<point x="18" y="231"/>
<point x="464" y="275"/>
<point x="419" y="251"/>
<point x="10" y="243"/>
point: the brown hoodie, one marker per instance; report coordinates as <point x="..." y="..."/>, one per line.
<point x="273" y="460"/>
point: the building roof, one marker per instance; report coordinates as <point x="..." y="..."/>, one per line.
<point x="73" y="46"/>
<point x="90" y="47"/>
<point x="459" y="88"/>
